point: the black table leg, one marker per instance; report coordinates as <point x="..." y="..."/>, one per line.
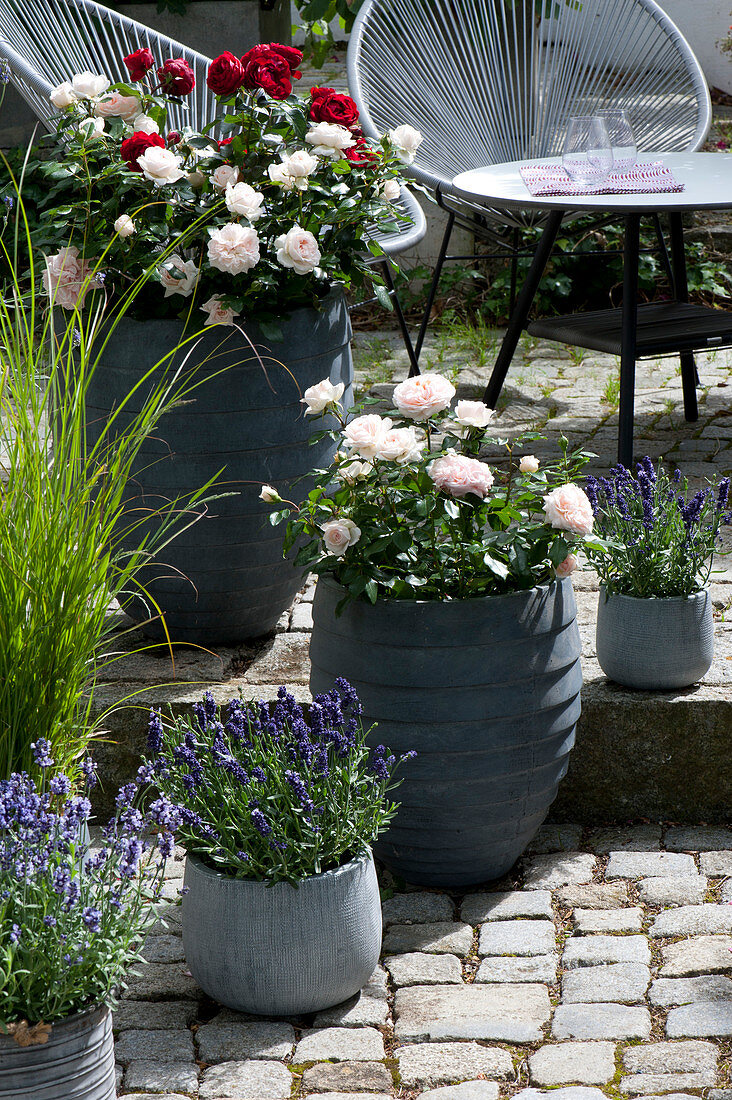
<point x="520" y="313"/>
<point x="628" y="338"/>
<point x="689" y="376"/>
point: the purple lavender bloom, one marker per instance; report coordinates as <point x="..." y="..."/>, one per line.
<point x="259" y="773"/>
<point x="722" y="494"/>
<point x="646" y="465"/>
<point x="89" y="771"/>
<point x="301" y="791"/>
<point x="92" y="918"/>
<point x="42" y="753"/>
<point x="155" y="732"/>
<point x="166" y="845"/>
<point x="60" y="784"/>
<point x="381" y="764"/>
<point x="15" y="933"/>
<point x="260" y="823"/>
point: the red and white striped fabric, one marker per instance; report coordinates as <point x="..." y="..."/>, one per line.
<point x="552" y="179"/>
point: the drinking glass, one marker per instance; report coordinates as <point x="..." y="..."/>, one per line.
<point x="622" y="139"/>
<point x="588" y="154"/>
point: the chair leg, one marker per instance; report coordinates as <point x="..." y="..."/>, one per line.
<point x="514" y="270"/>
<point x="689" y="375"/>
<point x="631" y="255"/>
<point x="413" y="363"/>
<point x="433" y="287"/>
<point x="663" y="250"/>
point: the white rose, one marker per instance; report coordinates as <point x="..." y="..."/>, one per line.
<point x="242" y="199"/>
<point x="270" y="495"/>
<point x="222" y="176"/>
<point x="364" y="433"/>
<point x="178" y="276"/>
<point x="298" y="249"/>
<point x="473" y="414"/>
<point x="399" y="445"/>
<point x="63" y="95"/>
<point x="234" y="248"/>
<point x="91" y="128"/>
<point x="279" y="174"/>
<point x="196" y="179"/>
<point x="115" y="105"/>
<point x="161" y="166"/>
<point x="86" y="85"/>
<point x="339" y="534"/>
<point x="218" y="314"/>
<point x="392" y="190"/>
<point x="406" y="140"/>
<point x="529" y="464"/>
<point x="124" y="226"/>
<point x="329" y="140"/>
<point x="318" y="397"/>
<point x="355" y="471"/>
<point x="300" y="163"/>
<point x="143" y="124"/>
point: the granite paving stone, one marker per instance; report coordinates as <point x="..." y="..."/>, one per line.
<point x="649" y="864"/>
<point x="148" y="1076"/>
<point x="417" y="908"/>
<point x="622" y="983"/>
<point x="587" y="921"/>
<point x="340" y="1044"/>
<point x="673" y="890"/>
<point x="556" y="838"/>
<point x="419" y="968"/>
<point x="506" y="968"/>
<point x="698" y="955"/>
<point x="153" y="1015"/>
<point x="448" y="938"/>
<point x="655" y="1058"/>
<point x="163" y="949"/>
<point x="227" y="1040"/>
<point x="716" y="864"/>
<point x="560" y="869"/>
<point x="601" y="1021"/>
<point x="432" y="1064"/>
<point x="689" y="920"/>
<point x="595" y="950"/>
<point x="606" y="895"/>
<point x="701" y="1019"/>
<point x="573" y="1092"/>
<point x="504" y="1012"/>
<point x="644" y="1083"/>
<point x="725" y="893"/>
<point x="477" y="908"/>
<point x="140" y="1045"/>
<point x="697" y="838"/>
<point x="367" y="1008"/>
<point x="573" y="1063"/>
<point x="665" y="992"/>
<point x="638" y="838"/>
<point x="347" y="1077"/>
<point x="353" y="1095"/>
<point x="157" y="980"/>
<point x="517" y="937"/>
<point x="247" y="1080"/>
<point x="466" y="1090"/>
<point x="157" y="1096"/>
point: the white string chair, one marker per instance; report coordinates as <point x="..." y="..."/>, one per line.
<point x="490" y="81"/>
<point x="45" y="41"/>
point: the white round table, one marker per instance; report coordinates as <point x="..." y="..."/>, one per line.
<point x="633" y="331"/>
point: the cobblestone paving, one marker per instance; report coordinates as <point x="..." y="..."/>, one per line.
<point x="601" y="968"/>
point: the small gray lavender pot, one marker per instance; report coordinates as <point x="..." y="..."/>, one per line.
<point x="77" y="1062"/>
<point x="655" y="643"/>
<point x="280" y="950"/>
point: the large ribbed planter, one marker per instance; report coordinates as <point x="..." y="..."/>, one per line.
<point x="488" y="693"/>
<point x="77" y="1062"/>
<point x="655" y="644"/>
<point x="277" y="950"/>
<point x="224" y="580"/>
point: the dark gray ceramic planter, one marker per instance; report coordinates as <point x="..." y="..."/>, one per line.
<point x="655" y="644"/>
<point x="77" y="1062"/>
<point x="277" y="950"/>
<point x="224" y="579"/>
<point x="488" y="693"/>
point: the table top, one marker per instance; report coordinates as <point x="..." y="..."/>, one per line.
<point x="707" y="180"/>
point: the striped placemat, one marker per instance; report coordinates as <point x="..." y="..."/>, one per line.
<point x="552" y="179"/>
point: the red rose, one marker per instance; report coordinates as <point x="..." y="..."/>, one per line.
<point x="174" y="137"/>
<point x="361" y="153"/>
<point x="138" y="144"/>
<point x="265" y="68"/>
<point x="318" y="93"/>
<point x="176" y="76"/>
<point x="223" y="142"/>
<point x="292" y="56"/>
<point x="334" y="107"/>
<point x="225" y="74"/>
<point x="138" y="63"/>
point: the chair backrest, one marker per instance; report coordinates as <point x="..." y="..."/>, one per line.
<point x="46" y="41"/>
<point x="488" y="81"/>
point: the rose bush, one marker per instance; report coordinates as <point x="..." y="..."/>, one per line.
<point x="263" y="212"/>
<point x="409" y="509"/>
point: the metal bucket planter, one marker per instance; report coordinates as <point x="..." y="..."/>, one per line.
<point x="224" y="579"/>
<point x="77" y="1062"/>
<point x="488" y="693"/>
<point x="655" y="644"/>
<point x="277" y="950"/>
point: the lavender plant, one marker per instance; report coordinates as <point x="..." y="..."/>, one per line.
<point x="72" y="918"/>
<point x="264" y="793"/>
<point x="652" y="538"/>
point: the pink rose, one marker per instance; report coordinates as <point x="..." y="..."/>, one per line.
<point x="319" y="397"/>
<point x="67" y="278"/>
<point x="234" y="248"/>
<point x="298" y="249"/>
<point x="116" y="105"/>
<point x="421" y="397"/>
<point x="459" y="475"/>
<point x="339" y="534"/>
<point x="568" y="509"/>
<point x="473" y="414"/>
<point x="566" y="567"/>
<point x="218" y="314"/>
<point x="399" y="445"/>
<point x="365" y="433"/>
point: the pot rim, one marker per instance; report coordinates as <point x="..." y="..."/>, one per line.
<point x="364" y="859"/>
<point x="705" y="591"/>
<point x="102" y="1009"/>
<point x="327" y="578"/>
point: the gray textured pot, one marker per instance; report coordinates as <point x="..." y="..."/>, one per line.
<point x="77" y="1062"/>
<point x="277" y="950"/>
<point x="656" y="644"/>
<point x="224" y="579"/>
<point x="488" y="693"/>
